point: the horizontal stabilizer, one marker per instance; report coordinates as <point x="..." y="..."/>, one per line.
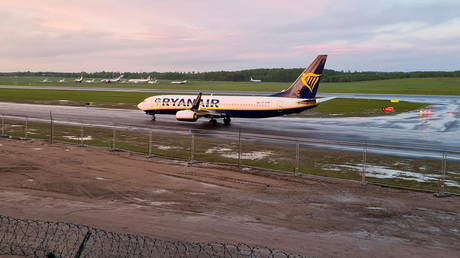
<point x="324" y="99"/>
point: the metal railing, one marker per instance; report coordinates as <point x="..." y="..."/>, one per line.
<point x="433" y="170"/>
<point x="34" y="238"/>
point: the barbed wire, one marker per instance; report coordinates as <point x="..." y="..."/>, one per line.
<point x="34" y="238"/>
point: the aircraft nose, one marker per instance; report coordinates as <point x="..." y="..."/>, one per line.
<point x="142" y="105"/>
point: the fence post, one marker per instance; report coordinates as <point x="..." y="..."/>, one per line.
<point x="239" y="148"/>
<point x="363" y="173"/>
<point x="297" y="157"/>
<point x="113" y="137"/>
<point x="26" y="126"/>
<point x="192" y="149"/>
<point x="83" y="244"/>
<point x="150" y="142"/>
<point x="82" y="133"/>
<point x="3" y="124"/>
<point x="51" y="128"/>
<point x="442" y="187"/>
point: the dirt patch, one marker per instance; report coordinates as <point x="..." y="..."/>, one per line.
<point x="125" y="192"/>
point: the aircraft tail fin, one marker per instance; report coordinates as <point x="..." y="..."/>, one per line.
<point x="307" y="83"/>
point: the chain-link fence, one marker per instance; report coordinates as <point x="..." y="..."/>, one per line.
<point x="433" y="170"/>
<point x="34" y="238"/>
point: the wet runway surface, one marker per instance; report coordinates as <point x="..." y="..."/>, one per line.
<point x="438" y="130"/>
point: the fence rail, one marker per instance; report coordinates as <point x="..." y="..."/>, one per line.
<point x="434" y="170"/>
<point x="34" y="238"/>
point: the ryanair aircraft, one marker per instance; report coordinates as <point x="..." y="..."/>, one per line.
<point x="301" y="95"/>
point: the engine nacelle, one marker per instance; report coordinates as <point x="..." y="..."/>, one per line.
<point x="186" y="115"/>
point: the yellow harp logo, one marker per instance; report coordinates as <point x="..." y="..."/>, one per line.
<point x="310" y="80"/>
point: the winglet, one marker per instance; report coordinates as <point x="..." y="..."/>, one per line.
<point x="196" y="102"/>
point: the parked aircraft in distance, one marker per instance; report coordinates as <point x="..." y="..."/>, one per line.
<point x="80" y="80"/>
<point x="153" y="82"/>
<point x="179" y="82"/>
<point x="45" y="80"/>
<point x="253" y="80"/>
<point x="89" y="81"/>
<point x="140" y="80"/>
<point x="301" y="95"/>
<point x="118" y="79"/>
<point x="62" y="80"/>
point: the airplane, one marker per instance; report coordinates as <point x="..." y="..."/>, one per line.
<point x="153" y="82"/>
<point x="140" y="80"/>
<point x="179" y="82"/>
<point x="300" y="96"/>
<point x="79" y="80"/>
<point x="89" y="81"/>
<point x="118" y="79"/>
<point x="62" y="80"/>
<point x="45" y="80"/>
<point x="252" y="80"/>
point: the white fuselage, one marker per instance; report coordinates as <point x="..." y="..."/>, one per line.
<point x="139" y="80"/>
<point x="179" y="82"/>
<point x="232" y="106"/>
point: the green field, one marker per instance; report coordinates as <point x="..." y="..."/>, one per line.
<point x="422" y="86"/>
<point x="333" y="108"/>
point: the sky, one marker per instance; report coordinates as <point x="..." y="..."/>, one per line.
<point x="214" y="35"/>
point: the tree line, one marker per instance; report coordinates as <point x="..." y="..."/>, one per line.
<point x="266" y="75"/>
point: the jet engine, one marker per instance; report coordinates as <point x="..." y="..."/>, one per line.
<point x="186" y="115"/>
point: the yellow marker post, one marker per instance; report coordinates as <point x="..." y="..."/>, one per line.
<point x="394" y="101"/>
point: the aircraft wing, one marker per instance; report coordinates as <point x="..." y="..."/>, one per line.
<point x="208" y="113"/>
<point x="202" y="112"/>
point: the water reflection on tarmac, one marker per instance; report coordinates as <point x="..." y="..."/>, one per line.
<point x="440" y="129"/>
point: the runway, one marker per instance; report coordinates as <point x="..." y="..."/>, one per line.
<point x="440" y="130"/>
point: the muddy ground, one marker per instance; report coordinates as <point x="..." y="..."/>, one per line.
<point x="129" y="193"/>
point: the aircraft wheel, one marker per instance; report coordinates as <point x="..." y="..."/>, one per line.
<point x="153" y="118"/>
<point x="227" y="120"/>
<point x="213" y="122"/>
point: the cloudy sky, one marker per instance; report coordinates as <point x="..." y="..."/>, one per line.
<point x="208" y="35"/>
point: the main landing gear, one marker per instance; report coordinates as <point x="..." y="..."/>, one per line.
<point x="213" y="122"/>
<point x="227" y="120"/>
<point x="153" y="117"/>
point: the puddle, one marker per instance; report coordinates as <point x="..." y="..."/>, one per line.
<point x="209" y="185"/>
<point x="376" y="208"/>
<point x="160" y="191"/>
<point x="389" y="173"/>
<point x="229" y="153"/>
<point x="86" y="138"/>
<point x="218" y="150"/>
<point x="162" y="203"/>
<point x="157" y="203"/>
<point x="165" y="147"/>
